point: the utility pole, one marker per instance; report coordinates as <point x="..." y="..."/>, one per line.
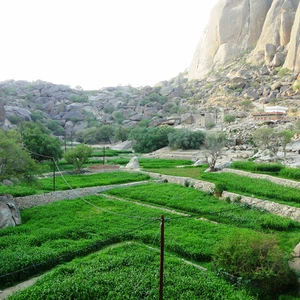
<point x="54" y="174"/>
<point x="162" y="241"/>
<point x="103" y="155"/>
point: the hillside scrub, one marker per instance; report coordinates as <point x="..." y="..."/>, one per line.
<point x="258" y="259"/>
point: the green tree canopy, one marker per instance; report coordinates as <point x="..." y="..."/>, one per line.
<point x="78" y="156"/>
<point x="150" y="139"/>
<point x="39" y="142"/>
<point x="229" y="119"/>
<point x="15" y="161"/>
<point x="186" y="139"/>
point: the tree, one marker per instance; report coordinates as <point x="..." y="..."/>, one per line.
<point x="121" y="133"/>
<point x="186" y="139"/>
<point x="266" y="138"/>
<point x="105" y="133"/>
<point x="39" y="142"/>
<point x="258" y="258"/>
<point x="214" y="143"/>
<point x="78" y="156"/>
<point x="150" y="139"/>
<point x="229" y="119"/>
<point x="15" y="161"/>
<point x="285" y="137"/>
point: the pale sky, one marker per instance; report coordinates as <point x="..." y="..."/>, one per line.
<point x="98" y="43"/>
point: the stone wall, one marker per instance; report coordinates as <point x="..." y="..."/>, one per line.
<point x="43" y="199"/>
<point x="272" y="207"/>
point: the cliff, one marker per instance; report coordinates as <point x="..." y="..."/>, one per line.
<point x="267" y="30"/>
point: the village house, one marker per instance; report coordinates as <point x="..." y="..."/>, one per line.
<point x="272" y="113"/>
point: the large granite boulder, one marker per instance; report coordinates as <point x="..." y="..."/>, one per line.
<point x="233" y="29"/>
<point x="292" y="61"/>
<point x="9" y="212"/>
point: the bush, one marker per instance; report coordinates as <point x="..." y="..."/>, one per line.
<point x="186" y="139"/>
<point x="257" y="259"/>
<point x="219" y="189"/>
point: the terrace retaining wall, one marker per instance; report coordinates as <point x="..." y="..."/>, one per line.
<point x="43" y="199"/>
<point x="272" y="207"/>
<point x="281" y="181"/>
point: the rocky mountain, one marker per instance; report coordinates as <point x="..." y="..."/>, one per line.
<point x="248" y="58"/>
<point x="267" y="30"/>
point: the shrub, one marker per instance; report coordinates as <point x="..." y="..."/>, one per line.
<point x="257" y="258"/>
<point x="219" y="188"/>
<point x="186" y="139"/>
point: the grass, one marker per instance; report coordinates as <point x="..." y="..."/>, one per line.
<point x="73" y="181"/>
<point x="129" y="271"/>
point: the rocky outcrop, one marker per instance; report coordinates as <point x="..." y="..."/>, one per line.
<point x="2" y="112"/>
<point x="9" y="212"/>
<point x="292" y="61"/>
<point x="268" y="27"/>
<point x="234" y="28"/>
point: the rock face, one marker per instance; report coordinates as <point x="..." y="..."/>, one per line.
<point x="9" y="212"/>
<point x="2" y="112"/>
<point x="237" y="27"/>
<point x="292" y="61"/>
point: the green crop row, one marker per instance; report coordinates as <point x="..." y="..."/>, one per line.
<point x="129" y="271"/>
<point x="197" y="202"/>
<point x="260" y="188"/>
<point x="257" y="167"/>
<point x="60" y="231"/>
<point x="275" y="169"/>
<point x="81" y="181"/>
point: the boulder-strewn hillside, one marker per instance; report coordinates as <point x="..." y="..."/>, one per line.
<point x="268" y="28"/>
<point x="248" y="59"/>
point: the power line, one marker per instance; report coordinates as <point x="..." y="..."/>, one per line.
<point x="70" y="255"/>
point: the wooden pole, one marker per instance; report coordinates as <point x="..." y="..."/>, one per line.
<point x="162" y="241"/>
<point x="53" y="174"/>
<point x="103" y="156"/>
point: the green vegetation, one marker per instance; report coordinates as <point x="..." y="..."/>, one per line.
<point x="255" y="167"/>
<point x="260" y="188"/>
<point x="121" y="266"/>
<point x="78" y="156"/>
<point x="38" y="141"/>
<point x="274" y="169"/>
<point x="186" y="139"/>
<point x="81" y="181"/>
<point x="229" y="119"/>
<point x="256" y="258"/>
<point x="214" y="143"/>
<point x="95" y="135"/>
<point x="197" y="202"/>
<point x="150" y="139"/>
<point x="15" y="161"/>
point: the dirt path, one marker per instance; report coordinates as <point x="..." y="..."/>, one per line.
<point x="19" y="287"/>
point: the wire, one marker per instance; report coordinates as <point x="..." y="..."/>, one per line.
<point x="73" y="253"/>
